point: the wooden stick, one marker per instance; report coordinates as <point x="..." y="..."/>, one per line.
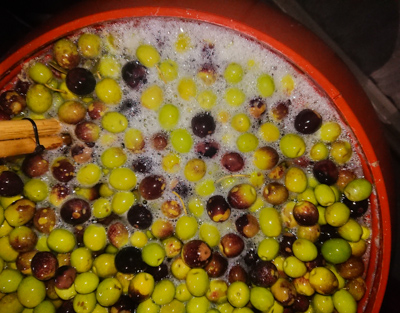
<point x="16" y="129"/>
<point x="28" y="145"/>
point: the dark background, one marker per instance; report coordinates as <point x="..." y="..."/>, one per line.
<point x="367" y="31"/>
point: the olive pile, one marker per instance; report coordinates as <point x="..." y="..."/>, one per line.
<point x="218" y="191"/>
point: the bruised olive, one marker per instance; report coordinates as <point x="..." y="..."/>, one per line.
<point x="12" y="103"/>
<point x="24" y="262"/>
<point x="63" y="170"/>
<point x="44" y="220"/>
<point x="81" y="153"/>
<point x="357" y="288"/>
<point x="242" y="196"/>
<point x="118" y="234"/>
<point x="284" y="292"/>
<point x="75" y="211"/>
<point x="251" y="257"/>
<point x="207" y="148"/>
<point x="257" y="107"/>
<point x="305" y="213"/>
<point x="218" y="208"/>
<point x="217" y="265"/>
<point x="281" y="110"/>
<point x="264" y="274"/>
<point x="247" y="225"/>
<point x="64" y="277"/>
<point x="58" y="194"/>
<point x="196" y="253"/>
<point x="275" y="193"/>
<point x="44" y="265"/>
<point x="286" y="244"/>
<point x="231" y="245"/>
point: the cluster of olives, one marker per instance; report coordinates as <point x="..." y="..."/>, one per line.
<point x="175" y="220"/>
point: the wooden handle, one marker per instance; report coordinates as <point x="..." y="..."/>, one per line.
<point x="28" y="145"/>
<point x="16" y="129"/>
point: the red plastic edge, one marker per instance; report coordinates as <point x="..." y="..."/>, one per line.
<point x="378" y="268"/>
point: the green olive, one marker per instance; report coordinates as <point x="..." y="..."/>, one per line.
<point x="358" y="189"/>
<point x="324" y="195"/>
<point x="344" y="302"/>
<point x="296" y="180"/>
<point x="292" y="146"/>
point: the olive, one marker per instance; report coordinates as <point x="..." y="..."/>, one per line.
<point x="301" y="303"/>
<point x="196" y="253"/>
<point x="158" y="272"/>
<point x="305" y="213"/>
<point x="217" y="265"/>
<point x="257" y="107"/>
<point x="357" y="288"/>
<point x="142" y="165"/>
<point x="247" y="225"/>
<point x="286" y="244"/>
<point x="352" y="268"/>
<point x="140" y="217"/>
<point x="281" y="110"/>
<point x="44" y="265"/>
<point x="75" y="211"/>
<point x="124" y="304"/>
<point x="63" y="170"/>
<point x="10" y="184"/>
<point x="207" y="148"/>
<point x="232" y="161"/>
<point x="357" y="208"/>
<point x="45" y="220"/>
<point x="237" y="273"/>
<point x="242" y="196"/>
<point x="251" y="257"/>
<point x="307" y="121"/>
<point x="35" y="165"/>
<point x="275" y="193"/>
<point x="284" y="292"/>
<point x="64" y="277"/>
<point x="326" y="172"/>
<point x="218" y="208"/>
<point x="264" y="274"/>
<point x="323" y="280"/>
<point x="152" y="187"/>
<point x="129" y="260"/>
<point x="231" y="245"/>
<point x="12" y="103"/>
<point x="203" y="124"/>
